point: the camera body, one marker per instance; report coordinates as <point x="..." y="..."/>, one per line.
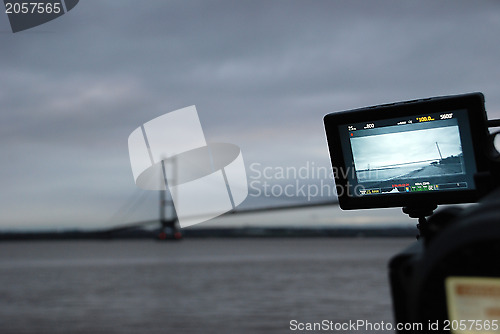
<point x="416" y="155"/>
<point x="463" y="245"/>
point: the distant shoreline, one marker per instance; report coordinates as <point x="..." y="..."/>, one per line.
<point x="245" y="232"/>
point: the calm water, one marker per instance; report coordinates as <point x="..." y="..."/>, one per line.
<point x="196" y="286"/>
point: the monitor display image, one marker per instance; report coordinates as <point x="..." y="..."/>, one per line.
<point x="424" y="153"/>
<point x="413" y="154"/>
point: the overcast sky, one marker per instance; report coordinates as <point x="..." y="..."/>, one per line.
<point x="261" y="73"/>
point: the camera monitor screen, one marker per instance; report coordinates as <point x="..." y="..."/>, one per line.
<point x="407" y="153"/>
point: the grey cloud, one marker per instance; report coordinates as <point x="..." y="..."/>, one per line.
<point x="261" y="73"/>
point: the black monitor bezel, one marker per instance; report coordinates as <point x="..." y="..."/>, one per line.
<point x="473" y="103"/>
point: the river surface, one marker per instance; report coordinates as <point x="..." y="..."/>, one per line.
<point x="194" y="286"/>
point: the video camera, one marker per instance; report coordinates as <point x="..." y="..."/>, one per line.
<point x="416" y="155"/>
